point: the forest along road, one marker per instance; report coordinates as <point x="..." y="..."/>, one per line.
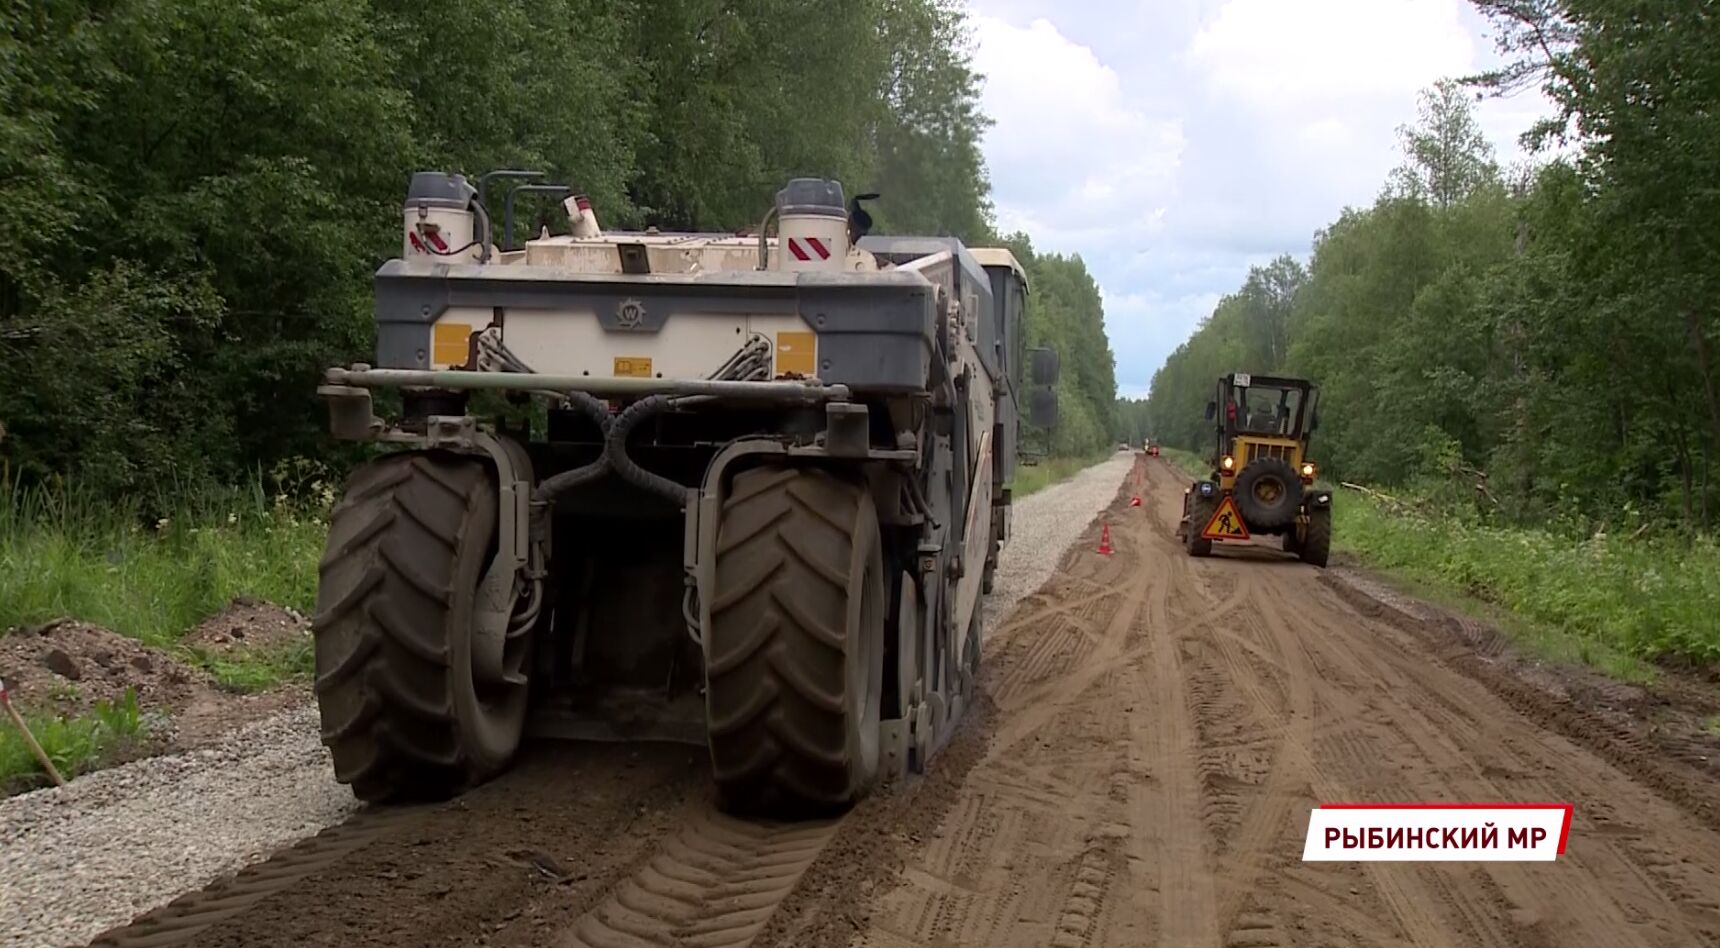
<point x="1158" y="728"/>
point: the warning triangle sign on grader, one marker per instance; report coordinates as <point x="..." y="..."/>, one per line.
<point x="1226" y="522"/>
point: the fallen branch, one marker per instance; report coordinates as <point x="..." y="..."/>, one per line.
<point x="1370" y="492"/>
<point x="1396" y="505"/>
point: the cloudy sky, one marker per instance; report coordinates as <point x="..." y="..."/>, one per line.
<point x="1175" y="143"/>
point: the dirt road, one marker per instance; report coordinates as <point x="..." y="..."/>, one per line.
<point x="1158" y="729"/>
<point x="1164" y="725"/>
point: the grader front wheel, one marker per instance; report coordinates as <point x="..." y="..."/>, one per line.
<point x="1198" y="514"/>
<point x="402" y="712"/>
<point x="795" y="647"/>
<point x="1316" y="545"/>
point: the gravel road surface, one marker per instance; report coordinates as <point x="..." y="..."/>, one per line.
<point x="117" y="842"/>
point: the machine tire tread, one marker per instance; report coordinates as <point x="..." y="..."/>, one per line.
<point x="1197" y="545"/>
<point x="1256" y="515"/>
<point x="384" y="606"/>
<point x="776" y="647"/>
<point x="1317" y="545"/>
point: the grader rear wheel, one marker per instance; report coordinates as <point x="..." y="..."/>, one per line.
<point x="402" y="712"/>
<point x="795" y="647"/>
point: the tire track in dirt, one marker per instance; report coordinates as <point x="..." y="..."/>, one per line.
<point x="1034" y="850"/>
<point x="714" y="884"/>
<point x="515" y="860"/>
<point x="185" y="918"/>
<point x="1252" y="688"/>
<point x="1506" y="757"/>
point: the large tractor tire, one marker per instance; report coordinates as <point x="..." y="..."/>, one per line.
<point x="795" y="649"/>
<point x="1268" y="493"/>
<point x="1199" y="512"/>
<point x="402" y="713"/>
<point x="1316" y="546"/>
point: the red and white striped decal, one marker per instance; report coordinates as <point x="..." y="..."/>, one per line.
<point x="806" y="249"/>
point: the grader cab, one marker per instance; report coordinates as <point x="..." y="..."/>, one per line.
<point x="1262" y="480"/>
<point x="744" y="492"/>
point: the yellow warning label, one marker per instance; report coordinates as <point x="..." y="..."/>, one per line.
<point x="1226" y="522"/>
<point x="448" y="344"/>
<point x="797" y="353"/>
<point x="633" y="367"/>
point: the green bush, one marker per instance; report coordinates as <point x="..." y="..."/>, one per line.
<point x="75" y="745"/>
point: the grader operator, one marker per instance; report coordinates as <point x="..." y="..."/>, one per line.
<point x="1262" y="479"/>
<point x="743" y="492"/>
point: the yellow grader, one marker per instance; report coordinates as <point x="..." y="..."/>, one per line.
<point x="1262" y="480"/>
<point x="745" y="492"/>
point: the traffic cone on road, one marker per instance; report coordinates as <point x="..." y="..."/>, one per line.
<point x="1105" y="541"/>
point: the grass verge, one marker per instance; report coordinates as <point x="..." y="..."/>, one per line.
<point x="65" y="553"/>
<point x="109" y="734"/>
<point x="253" y="670"/>
<point x="1186" y="461"/>
<point x="1049" y="471"/>
<point x="1615" y="604"/>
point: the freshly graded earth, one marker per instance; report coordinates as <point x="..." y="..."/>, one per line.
<point x="1156" y="731"/>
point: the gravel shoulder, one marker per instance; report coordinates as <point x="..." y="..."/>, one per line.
<point x="124" y="841"/>
<point x="1044" y="524"/>
<point x="111" y="844"/>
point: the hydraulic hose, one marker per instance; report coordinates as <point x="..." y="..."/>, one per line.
<point x="556" y="485"/>
<point x="615" y="451"/>
<point x="614" y="454"/>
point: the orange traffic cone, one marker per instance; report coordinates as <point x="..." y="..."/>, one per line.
<point x="1134" y="501"/>
<point x="1105" y="541"/>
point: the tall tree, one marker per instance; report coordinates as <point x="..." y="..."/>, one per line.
<point x="1447" y="156"/>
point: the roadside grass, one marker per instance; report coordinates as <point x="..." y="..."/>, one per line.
<point x="253" y="670"/>
<point x="1049" y="471"/>
<point x="1613" y="603"/>
<point x="1189" y="462"/>
<point x="65" y="553"/>
<point x="76" y="745"/>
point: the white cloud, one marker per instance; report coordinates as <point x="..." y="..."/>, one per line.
<point x="1175" y="143"/>
<point x="1321" y="53"/>
<point x="1071" y="159"/>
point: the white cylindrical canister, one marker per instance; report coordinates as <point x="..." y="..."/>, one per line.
<point x="812" y="226"/>
<point x="439" y="222"/>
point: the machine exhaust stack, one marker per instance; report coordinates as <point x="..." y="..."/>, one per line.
<point x="812" y="226"/>
<point x="581" y="217"/>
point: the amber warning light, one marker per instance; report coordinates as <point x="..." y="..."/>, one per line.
<point x="1437" y="832"/>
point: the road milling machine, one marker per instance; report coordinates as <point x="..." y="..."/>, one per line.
<point x="1262" y="477"/>
<point x="743" y="491"/>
